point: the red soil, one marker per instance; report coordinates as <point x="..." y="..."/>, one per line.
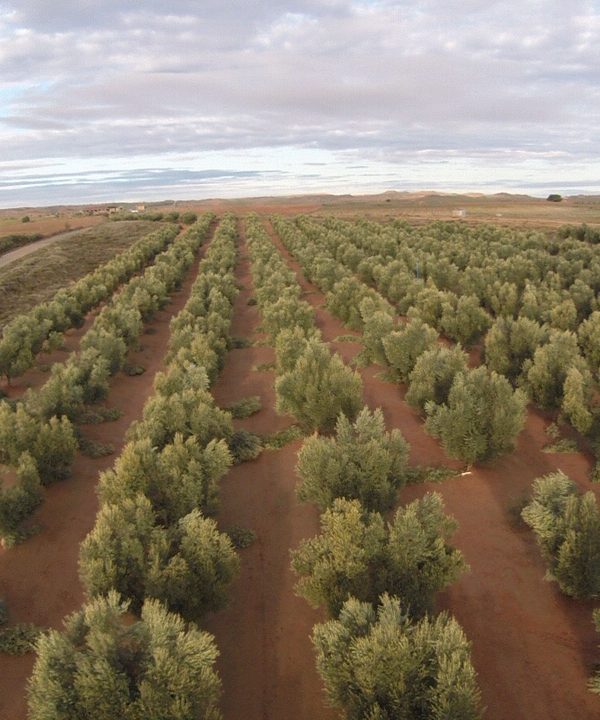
<point x="39" y="578"/>
<point x="267" y="661"/>
<point x="533" y="648"/>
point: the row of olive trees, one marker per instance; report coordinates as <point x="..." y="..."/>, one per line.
<point x="42" y="327"/>
<point x="535" y="296"/>
<point x="382" y="654"/>
<point x="475" y="413"/>
<point x="155" y="551"/>
<point x="567" y="528"/>
<point x="40" y="426"/>
<point x="357" y="556"/>
<point x="312" y="385"/>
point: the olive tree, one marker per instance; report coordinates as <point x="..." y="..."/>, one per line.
<point x="377" y="663"/>
<point x="481" y="418"/>
<point x="318" y="388"/>
<point x="567" y="528"/>
<point x="433" y="374"/>
<point x="104" y="666"/>
<point x="357" y="555"/>
<point x="361" y="461"/>
<point x="403" y="347"/>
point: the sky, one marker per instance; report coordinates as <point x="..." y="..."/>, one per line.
<point x="133" y="100"/>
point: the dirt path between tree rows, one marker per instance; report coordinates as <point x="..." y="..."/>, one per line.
<point x="533" y="648"/>
<point x="39" y="578"/>
<point x="267" y="662"/>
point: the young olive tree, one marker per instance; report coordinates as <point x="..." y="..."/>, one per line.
<point x="433" y="374"/>
<point x="357" y="555"/>
<point x="481" y="418"/>
<point x="318" y="388"/>
<point x="361" y="461"/>
<point x="381" y="665"/>
<point x="577" y="392"/>
<point x="545" y="375"/>
<point x="18" y="501"/>
<point x="509" y="344"/>
<point x="104" y="666"/>
<point x="464" y="321"/>
<point x="404" y="347"/>
<point x="567" y="527"/>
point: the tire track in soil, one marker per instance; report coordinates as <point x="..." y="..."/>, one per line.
<point x="533" y="648"/>
<point x="267" y="660"/>
<point x="39" y="578"/>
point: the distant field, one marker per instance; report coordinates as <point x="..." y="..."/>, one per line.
<point x="38" y="276"/>
<point x="501" y="209"/>
<point x="47" y="224"/>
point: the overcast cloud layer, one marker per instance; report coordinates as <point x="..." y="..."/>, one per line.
<point x="140" y="100"/>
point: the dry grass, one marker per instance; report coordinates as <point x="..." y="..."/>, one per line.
<point x="35" y="278"/>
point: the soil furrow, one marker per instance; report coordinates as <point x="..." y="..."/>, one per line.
<point x="267" y="661"/>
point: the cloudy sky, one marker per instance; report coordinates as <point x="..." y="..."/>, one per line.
<point x="106" y="100"/>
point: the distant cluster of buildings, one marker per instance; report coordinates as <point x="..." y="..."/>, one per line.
<point x="113" y="209"/>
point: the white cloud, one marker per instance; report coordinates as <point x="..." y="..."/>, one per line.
<point x="496" y="83"/>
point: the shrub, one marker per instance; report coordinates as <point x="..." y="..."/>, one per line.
<point x="179" y="478"/>
<point x="357" y="555"/>
<point x="546" y="374"/>
<point x="575" y="404"/>
<point x="433" y="375"/>
<point x="19" y="501"/>
<point x="246" y="407"/>
<point x="377" y="327"/>
<point x="403" y="347"/>
<point x="481" y="418"/>
<point x="202" y="565"/>
<point x="567" y="527"/>
<point x="244" y="446"/>
<point x="105" y="666"/>
<point x="510" y="343"/>
<point x="188" y="218"/>
<point x="318" y="388"/>
<point x="464" y="321"/>
<point x="378" y="664"/>
<point x="362" y="461"/>
<point x="188" y="567"/>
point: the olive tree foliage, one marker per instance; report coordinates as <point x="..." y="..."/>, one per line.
<point x="357" y="555"/>
<point x="51" y="444"/>
<point x="19" y="500"/>
<point x="184" y="475"/>
<point x="200" y="569"/>
<point x="567" y="528"/>
<point x="377" y="325"/>
<point x="290" y="346"/>
<point x="188" y="566"/>
<point x="189" y="412"/>
<point x="433" y="375"/>
<point x="377" y="663"/>
<point x="577" y="392"/>
<point x="403" y="347"/>
<point x="103" y="666"/>
<point x="463" y="319"/>
<point x="481" y="418"/>
<point x="545" y="374"/>
<point x="318" y="388"/>
<point x="588" y="335"/>
<point x="510" y="343"/>
<point x="361" y="461"/>
<point x="287" y="312"/>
